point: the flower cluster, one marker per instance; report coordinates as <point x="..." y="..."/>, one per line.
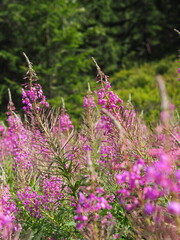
<point x="88" y="102"/>
<point x="21" y="144"/>
<point x="153" y="181"/>
<point x="65" y="122"/>
<point x="13" y="139"/>
<point x="36" y="202"/>
<point x="131" y="183"/>
<point x="32" y="201"/>
<point x="32" y="94"/>
<point x="8" y="212"/>
<point x="87" y="205"/>
<point x="89" y="212"/>
<point x="33" y="98"/>
<point x="146" y="186"/>
<point x="108" y="99"/>
<point x="162" y="173"/>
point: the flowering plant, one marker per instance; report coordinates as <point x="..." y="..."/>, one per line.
<point x="115" y="178"/>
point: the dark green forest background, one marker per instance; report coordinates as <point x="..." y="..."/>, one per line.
<point x="131" y="40"/>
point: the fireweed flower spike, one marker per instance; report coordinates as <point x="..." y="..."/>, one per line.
<point x="32" y="94"/>
<point x="109" y="101"/>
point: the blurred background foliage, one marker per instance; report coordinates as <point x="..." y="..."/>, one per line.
<point x="131" y="40"/>
<point x="139" y="84"/>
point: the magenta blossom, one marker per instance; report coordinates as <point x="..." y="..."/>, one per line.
<point x="88" y="102"/>
<point x="65" y="122"/>
<point x="33" y="98"/>
<point x="174" y="208"/>
<point x="32" y="94"/>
